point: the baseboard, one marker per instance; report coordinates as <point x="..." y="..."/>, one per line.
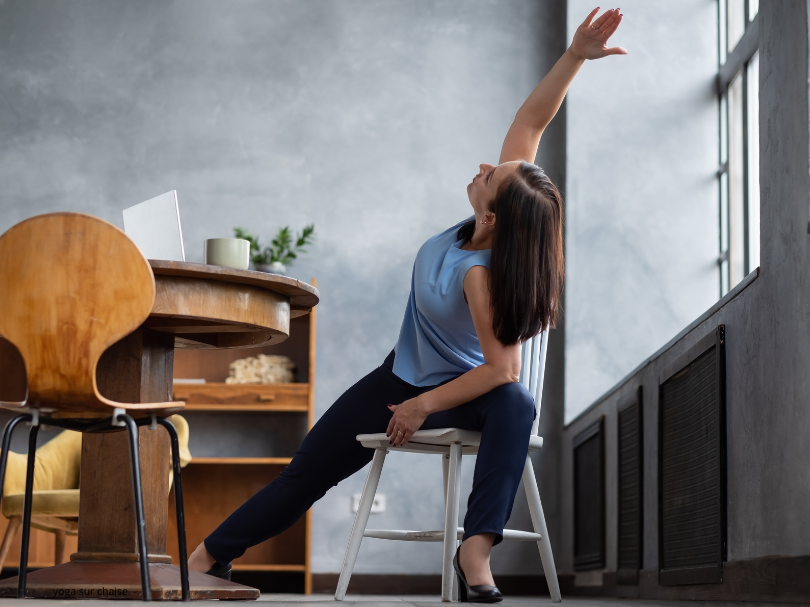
<point x="779" y="579"/>
<point x="771" y="579"/>
<point x="510" y="585"/>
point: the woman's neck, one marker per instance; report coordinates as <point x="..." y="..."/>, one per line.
<point x="481" y="238"/>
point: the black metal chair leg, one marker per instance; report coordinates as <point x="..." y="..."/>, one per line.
<point x="178" y="507"/>
<point x="140" y="523"/>
<point x="26" y="522"/>
<point x="6" y="446"/>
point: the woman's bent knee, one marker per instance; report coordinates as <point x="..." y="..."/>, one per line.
<point x="514" y="399"/>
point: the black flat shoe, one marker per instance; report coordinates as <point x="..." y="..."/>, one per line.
<point x="221" y="571"/>
<point x="474" y="594"/>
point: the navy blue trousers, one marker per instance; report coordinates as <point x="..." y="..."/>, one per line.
<point x="330" y="453"/>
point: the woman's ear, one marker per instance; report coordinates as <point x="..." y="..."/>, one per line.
<point x="489" y="219"/>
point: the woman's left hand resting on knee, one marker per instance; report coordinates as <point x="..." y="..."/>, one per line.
<point x="501" y="366"/>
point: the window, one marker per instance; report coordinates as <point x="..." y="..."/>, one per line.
<point x="738" y="175"/>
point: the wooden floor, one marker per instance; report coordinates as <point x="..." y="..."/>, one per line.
<point x="321" y="600"/>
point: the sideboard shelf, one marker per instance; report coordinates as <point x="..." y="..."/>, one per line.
<point x="241" y="436"/>
<point x="237" y="407"/>
<point x="270" y="461"/>
<point x="268" y="567"/>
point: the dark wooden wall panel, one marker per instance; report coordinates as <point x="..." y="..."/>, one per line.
<point x="631" y="471"/>
<point x="589" y="498"/>
<point x="692" y="466"/>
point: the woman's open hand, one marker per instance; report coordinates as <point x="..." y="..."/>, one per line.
<point x="590" y="39"/>
<point x="407" y="419"/>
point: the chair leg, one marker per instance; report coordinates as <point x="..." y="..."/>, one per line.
<point x="445" y="473"/>
<point x="360" y="522"/>
<point x="539" y="523"/>
<point x="6" y="445"/>
<point x="451" y="522"/>
<point x="178" y="507"/>
<point x="59" y="536"/>
<point x="26" y="519"/>
<point x="140" y="523"/>
<point x="14" y="523"/>
<point x="11" y="532"/>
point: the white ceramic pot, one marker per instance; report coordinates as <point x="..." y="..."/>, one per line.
<point x="227" y="252"/>
<point x="275" y="267"/>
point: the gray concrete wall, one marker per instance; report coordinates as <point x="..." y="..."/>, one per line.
<point x="642" y="224"/>
<point x="767" y="336"/>
<point x="366" y="117"/>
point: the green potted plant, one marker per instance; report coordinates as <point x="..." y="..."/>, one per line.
<point x="283" y="249"/>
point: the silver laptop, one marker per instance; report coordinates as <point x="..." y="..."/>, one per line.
<point x="154" y="226"/>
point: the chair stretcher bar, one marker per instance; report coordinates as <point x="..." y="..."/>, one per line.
<point x="438" y="536"/>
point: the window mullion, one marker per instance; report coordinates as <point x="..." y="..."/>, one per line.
<point x="746" y="224"/>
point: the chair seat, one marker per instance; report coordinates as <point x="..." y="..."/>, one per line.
<point x="62" y="502"/>
<point x="94" y="410"/>
<point x="437" y="441"/>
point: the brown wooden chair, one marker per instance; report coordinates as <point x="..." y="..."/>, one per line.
<point x="73" y="285"/>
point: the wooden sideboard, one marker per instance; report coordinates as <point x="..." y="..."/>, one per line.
<point x="241" y="437"/>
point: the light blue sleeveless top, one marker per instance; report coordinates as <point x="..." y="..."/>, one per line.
<point x="437" y="341"/>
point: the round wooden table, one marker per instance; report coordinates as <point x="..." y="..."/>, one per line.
<point x="196" y="306"/>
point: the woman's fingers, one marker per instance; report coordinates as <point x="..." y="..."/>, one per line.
<point x="392" y="422"/>
<point x="599" y="24"/>
<point x="399" y="435"/>
<point x="590" y="17"/>
<point x="611" y="29"/>
<point x="616" y="50"/>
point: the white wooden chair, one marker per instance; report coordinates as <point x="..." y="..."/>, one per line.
<point x="452" y="443"/>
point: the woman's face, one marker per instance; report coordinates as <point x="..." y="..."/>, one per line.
<point x="482" y="189"/>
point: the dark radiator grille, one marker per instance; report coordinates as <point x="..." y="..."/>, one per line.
<point x="692" y="472"/>
<point x="630" y="475"/>
<point x="589" y="502"/>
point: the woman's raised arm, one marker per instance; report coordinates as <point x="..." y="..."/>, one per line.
<point x="590" y="42"/>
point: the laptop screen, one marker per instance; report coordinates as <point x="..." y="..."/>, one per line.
<point x="154" y="226"/>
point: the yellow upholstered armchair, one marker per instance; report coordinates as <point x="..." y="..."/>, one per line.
<point x="55" y="504"/>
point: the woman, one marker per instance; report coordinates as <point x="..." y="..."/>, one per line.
<point x="478" y="290"/>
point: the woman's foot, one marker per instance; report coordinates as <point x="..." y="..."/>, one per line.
<point x="474" y="593"/>
<point x="200" y="560"/>
<point x="203" y="562"/>
<point x="473" y="558"/>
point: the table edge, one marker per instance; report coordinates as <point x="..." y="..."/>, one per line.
<point x="301" y="294"/>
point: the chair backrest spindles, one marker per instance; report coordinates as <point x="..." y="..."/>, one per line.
<point x="541" y="376"/>
<point x="533" y="370"/>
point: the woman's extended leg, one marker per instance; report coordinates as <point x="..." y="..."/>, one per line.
<point x="504" y="417"/>
<point x="328" y="454"/>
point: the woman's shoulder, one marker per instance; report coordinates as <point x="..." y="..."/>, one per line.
<point x="439" y="245"/>
<point x="456" y="227"/>
<point x="451" y="232"/>
<point x="477" y="259"/>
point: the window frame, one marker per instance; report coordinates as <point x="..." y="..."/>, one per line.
<point x="736" y="62"/>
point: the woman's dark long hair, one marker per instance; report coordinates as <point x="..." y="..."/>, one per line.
<point x="527" y="268"/>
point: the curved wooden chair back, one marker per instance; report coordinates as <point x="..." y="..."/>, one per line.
<point x="72" y="285"/>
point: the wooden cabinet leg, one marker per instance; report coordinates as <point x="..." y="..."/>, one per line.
<point x="11" y="531"/>
<point x="59" y="546"/>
